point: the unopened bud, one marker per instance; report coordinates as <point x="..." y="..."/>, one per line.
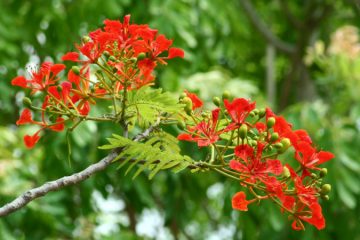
<point x="253" y="143"/>
<point x="75" y="70"/>
<point x="226" y="95"/>
<point x="313" y="175"/>
<point x="278" y="145"/>
<point x="216" y="101"/>
<point x="323" y="172"/>
<point x="252" y="114"/>
<point x="286" y="172"/>
<point x="133" y="59"/>
<point x="112" y="58"/>
<point x="141" y="56"/>
<point x="188" y="110"/>
<point x="270" y="122"/>
<point x="27" y="102"/>
<point x="256" y="111"/>
<point x="106" y="54"/>
<point x="325" y="197"/>
<point x="286" y="144"/>
<point x="243" y="131"/>
<point x="325" y="189"/>
<point x="274" y="137"/>
<point x="262" y="113"/>
<point x="86" y="39"/>
<point x="181" y="125"/>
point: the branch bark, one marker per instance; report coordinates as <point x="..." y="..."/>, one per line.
<point x="73" y="179"/>
<point x="264" y="29"/>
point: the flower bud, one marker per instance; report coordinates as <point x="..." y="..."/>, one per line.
<point x="188" y="110"/>
<point x="133" y="60"/>
<point x="270" y="122"/>
<point x="252" y="114"/>
<point x="274" y="137"/>
<point x="243" y="131"/>
<point x="278" y="145"/>
<point x="181" y="125"/>
<point x="262" y="112"/>
<point x="112" y="58"/>
<point x="325" y="189"/>
<point x="75" y="70"/>
<point x="106" y="54"/>
<point x="86" y="39"/>
<point x="141" y="56"/>
<point x="226" y="95"/>
<point x="325" y="197"/>
<point x="255" y="111"/>
<point x="286" y="172"/>
<point x="286" y="144"/>
<point x="323" y="172"/>
<point x="313" y="175"/>
<point x="216" y="101"/>
<point x="27" y="102"/>
<point x="253" y="143"/>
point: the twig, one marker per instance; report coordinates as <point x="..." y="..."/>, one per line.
<point x="73" y="179"/>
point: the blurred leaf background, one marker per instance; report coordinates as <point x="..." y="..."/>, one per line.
<point x="305" y="64"/>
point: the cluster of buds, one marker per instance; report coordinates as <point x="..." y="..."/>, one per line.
<point x="110" y="61"/>
<point x="246" y="144"/>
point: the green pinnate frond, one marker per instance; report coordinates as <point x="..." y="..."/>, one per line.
<point x="145" y="105"/>
<point x="160" y="151"/>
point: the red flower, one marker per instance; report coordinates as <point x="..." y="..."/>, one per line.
<point x="239" y="201"/>
<point x="175" y="52"/>
<point x="59" y="126"/>
<point x="252" y="164"/>
<point x="196" y="101"/>
<point x="30" y="141"/>
<point x="71" y="56"/>
<point x="25" y="117"/>
<point x="239" y="109"/>
<point x="205" y="133"/>
<point x="316" y="217"/>
<point x="309" y="158"/>
<point x="19" y="81"/>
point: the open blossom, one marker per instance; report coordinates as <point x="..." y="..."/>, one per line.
<point x="249" y="149"/>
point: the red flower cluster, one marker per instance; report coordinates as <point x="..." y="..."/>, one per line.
<point x="122" y="56"/>
<point x="249" y="143"/>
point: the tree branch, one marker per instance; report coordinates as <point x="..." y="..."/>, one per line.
<point x="265" y="30"/>
<point x="73" y="179"/>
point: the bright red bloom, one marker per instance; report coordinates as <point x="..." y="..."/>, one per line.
<point x="239" y="201"/>
<point x="239" y="109"/>
<point x="309" y="158"/>
<point x="19" y="81"/>
<point x="196" y="101"/>
<point x="205" y="133"/>
<point x="71" y="56"/>
<point x="30" y="141"/>
<point x="175" y="52"/>
<point x="59" y="126"/>
<point x="316" y="217"/>
<point x="25" y="117"/>
<point x="253" y="165"/>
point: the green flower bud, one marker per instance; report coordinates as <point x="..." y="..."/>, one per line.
<point x="75" y="70"/>
<point x="253" y="143"/>
<point x="274" y="137"/>
<point x="226" y="95"/>
<point x="325" y="197"/>
<point x="252" y="114"/>
<point x="255" y="111"/>
<point x="27" y="102"/>
<point x="286" y="172"/>
<point x="313" y="175"/>
<point x="133" y="59"/>
<point x="141" y="56"/>
<point x="286" y="144"/>
<point x="216" y="101"/>
<point x="323" y="172"/>
<point x="112" y="58"/>
<point x="262" y="112"/>
<point x="106" y="54"/>
<point x="270" y="122"/>
<point x="278" y="145"/>
<point x="181" y="125"/>
<point x="86" y="39"/>
<point x="325" y="189"/>
<point x="188" y="110"/>
<point x="243" y="131"/>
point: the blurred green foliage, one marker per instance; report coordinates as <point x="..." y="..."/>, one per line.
<point x="223" y="51"/>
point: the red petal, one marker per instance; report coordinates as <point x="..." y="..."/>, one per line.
<point x="71" y="56"/>
<point x="85" y="109"/>
<point x="30" y="141"/>
<point x="325" y="156"/>
<point x="25" y="117"/>
<point x="185" y="137"/>
<point x="58" y="127"/>
<point x="19" y="81"/>
<point x="175" y="52"/>
<point x="56" y="68"/>
<point x="239" y="201"/>
<point x="274" y="166"/>
<point x="195" y="99"/>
